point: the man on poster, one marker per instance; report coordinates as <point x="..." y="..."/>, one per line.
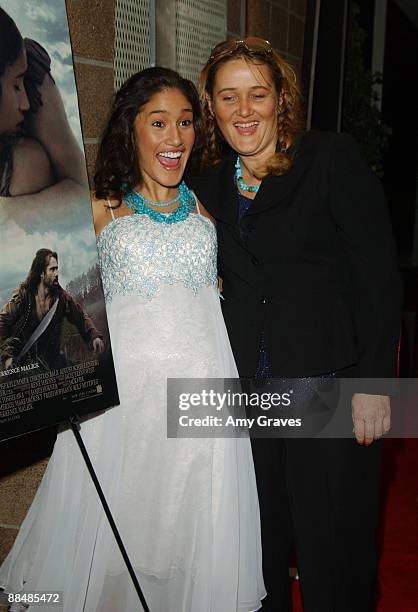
<point x="31" y="322"/>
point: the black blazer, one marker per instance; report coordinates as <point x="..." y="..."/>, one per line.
<point x="316" y="265"/>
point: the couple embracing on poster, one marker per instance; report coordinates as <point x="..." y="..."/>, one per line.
<point x="311" y="289"/>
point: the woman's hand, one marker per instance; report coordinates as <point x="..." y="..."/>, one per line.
<point x="371" y="417"/>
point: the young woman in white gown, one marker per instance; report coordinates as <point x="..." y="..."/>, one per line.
<point x="187" y="509"/>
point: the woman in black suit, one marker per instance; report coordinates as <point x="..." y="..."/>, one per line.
<point x="310" y="287"/>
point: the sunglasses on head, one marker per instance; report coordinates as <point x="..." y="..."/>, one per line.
<point x="252" y="44"/>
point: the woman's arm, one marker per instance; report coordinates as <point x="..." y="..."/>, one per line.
<point x="50" y="126"/>
<point x="359" y="209"/>
<point x="66" y="199"/>
<point x="32" y="170"/>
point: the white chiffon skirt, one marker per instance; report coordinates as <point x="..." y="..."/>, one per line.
<point x="187" y="509"/>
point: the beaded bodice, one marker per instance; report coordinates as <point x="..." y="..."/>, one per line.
<point x="138" y="255"/>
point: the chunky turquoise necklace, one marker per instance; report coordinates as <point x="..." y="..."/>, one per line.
<point x="240" y="181"/>
<point x="141" y="205"/>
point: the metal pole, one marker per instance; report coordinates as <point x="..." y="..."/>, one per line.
<point x="379" y="36"/>
<point x="342" y="64"/>
<point x="313" y="65"/>
<point x="152" y="34"/>
<point x="243" y="18"/>
<point x="75" y="424"/>
<point x="165" y="33"/>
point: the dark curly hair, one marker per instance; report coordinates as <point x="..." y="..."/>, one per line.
<point x="117" y="170"/>
<point x="11" y="42"/>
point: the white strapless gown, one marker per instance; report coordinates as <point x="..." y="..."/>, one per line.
<point x="187" y="509"/>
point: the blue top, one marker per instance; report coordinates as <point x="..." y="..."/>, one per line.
<point x="263" y="370"/>
<point x="244" y="204"/>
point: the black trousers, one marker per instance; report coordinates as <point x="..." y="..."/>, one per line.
<point x="322" y="496"/>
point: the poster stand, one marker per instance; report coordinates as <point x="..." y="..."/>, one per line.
<point x="74" y="421"/>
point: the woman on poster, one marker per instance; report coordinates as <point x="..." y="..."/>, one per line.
<point x="40" y="159"/>
<point x="311" y="288"/>
<point x="186" y="509"/>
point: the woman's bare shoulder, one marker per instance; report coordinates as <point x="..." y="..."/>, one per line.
<point x="101" y="213"/>
<point x="32" y="170"/>
<point x="103" y="209"/>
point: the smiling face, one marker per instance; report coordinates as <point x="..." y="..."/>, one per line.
<point x="13" y="100"/>
<point x="164" y="137"/>
<point x="245" y="103"/>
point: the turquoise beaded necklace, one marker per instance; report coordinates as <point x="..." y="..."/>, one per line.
<point x="240" y="181"/>
<point x="141" y="206"/>
<point x="161" y="204"/>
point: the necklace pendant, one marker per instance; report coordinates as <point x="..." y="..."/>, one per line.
<point x="240" y="181"/>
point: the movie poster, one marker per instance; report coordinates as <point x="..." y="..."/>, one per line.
<point x="55" y="352"/>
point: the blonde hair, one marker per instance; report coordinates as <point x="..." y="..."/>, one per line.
<point x="290" y="117"/>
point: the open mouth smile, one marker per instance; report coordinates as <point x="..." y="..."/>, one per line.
<point x="246" y="129"/>
<point x="170" y="160"/>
